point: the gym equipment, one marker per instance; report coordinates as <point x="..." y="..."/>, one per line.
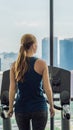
<point x="60" y="82"/>
<point x="5" y="101"/>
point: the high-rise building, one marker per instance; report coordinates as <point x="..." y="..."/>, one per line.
<point x="56" y="51"/>
<point x="66" y="54"/>
<point x="7" y="59"/>
<point x="0" y="64"/>
<point x="46" y="50"/>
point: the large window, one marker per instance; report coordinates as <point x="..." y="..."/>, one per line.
<point x="63" y="46"/>
<point x="17" y="18"/>
<point x="32" y="16"/>
<point x="63" y="24"/>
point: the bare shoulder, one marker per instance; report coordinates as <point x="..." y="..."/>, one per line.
<point x="39" y="66"/>
<point x="41" y="63"/>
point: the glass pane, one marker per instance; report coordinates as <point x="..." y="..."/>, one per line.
<point x="17" y="18"/>
<point x="63" y="48"/>
<point x="63" y="24"/>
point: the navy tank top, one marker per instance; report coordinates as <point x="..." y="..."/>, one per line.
<point x="30" y="96"/>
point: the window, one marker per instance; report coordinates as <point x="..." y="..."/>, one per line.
<point x="63" y="48"/>
<point x="63" y="24"/>
<point x="17" y="18"/>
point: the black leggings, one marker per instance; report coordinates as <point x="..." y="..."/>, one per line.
<point x="38" y="120"/>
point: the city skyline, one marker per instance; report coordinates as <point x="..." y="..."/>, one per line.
<point x="62" y="52"/>
<point x="39" y="45"/>
<point x="19" y="17"/>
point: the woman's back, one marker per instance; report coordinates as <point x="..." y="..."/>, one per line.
<point x="30" y="92"/>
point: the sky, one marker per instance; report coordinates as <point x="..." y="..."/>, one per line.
<point x="18" y="17"/>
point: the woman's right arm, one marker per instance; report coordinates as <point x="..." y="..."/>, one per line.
<point x="12" y="91"/>
<point x="48" y="89"/>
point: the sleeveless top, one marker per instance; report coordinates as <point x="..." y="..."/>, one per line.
<point x="30" y="96"/>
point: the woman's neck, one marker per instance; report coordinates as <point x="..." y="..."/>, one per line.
<point x="29" y="55"/>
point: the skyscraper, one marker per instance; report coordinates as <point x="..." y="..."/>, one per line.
<point x="56" y="51"/>
<point x="46" y="50"/>
<point x="66" y="54"/>
<point x="7" y="59"/>
<point x="0" y="64"/>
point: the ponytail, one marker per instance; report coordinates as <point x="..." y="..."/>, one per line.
<point x="20" y="64"/>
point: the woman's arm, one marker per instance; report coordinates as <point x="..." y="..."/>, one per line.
<point x="12" y="91"/>
<point x="48" y="89"/>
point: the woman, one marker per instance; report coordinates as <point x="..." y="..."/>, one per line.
<point x="28" y="72"/>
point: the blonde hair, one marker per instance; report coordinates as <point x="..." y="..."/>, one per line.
<point x="22" y="64"/>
